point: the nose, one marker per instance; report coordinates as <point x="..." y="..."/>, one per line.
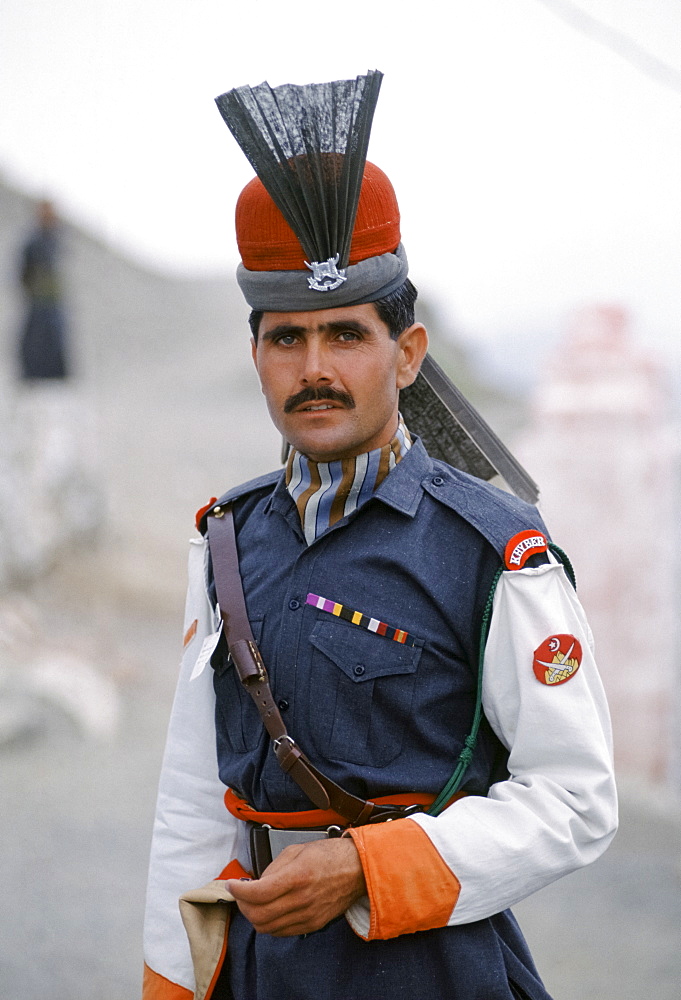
<point x="315" y="368"/>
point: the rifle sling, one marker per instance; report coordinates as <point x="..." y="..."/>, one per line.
<point x="322" y="791"/>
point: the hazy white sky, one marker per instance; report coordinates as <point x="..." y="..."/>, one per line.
<point x="536" y="169"/>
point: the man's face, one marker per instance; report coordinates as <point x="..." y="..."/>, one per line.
<point x="332" y="377"/>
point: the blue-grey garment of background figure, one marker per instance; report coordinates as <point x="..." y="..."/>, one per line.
<point x="42" y="348"/>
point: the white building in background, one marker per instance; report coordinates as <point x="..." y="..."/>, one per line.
<point x="603" y="448"/>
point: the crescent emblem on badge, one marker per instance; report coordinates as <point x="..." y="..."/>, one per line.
<point x="557" y="659"/>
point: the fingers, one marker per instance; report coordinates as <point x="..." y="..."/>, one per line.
<point x="272" y="912"/>
<point x="284" y="922"/>
<point x="290" y="915"/>
<point x="304" y="888"/>
<point x="281" y="877"/>
<point x="276" y="903"/>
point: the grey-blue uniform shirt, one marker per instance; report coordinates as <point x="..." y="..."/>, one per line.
<point x="377" y="715"/>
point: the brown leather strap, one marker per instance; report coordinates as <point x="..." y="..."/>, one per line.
<point x="324" y="792"/>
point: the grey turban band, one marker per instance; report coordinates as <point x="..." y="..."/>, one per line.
<point x="289" y="291"/>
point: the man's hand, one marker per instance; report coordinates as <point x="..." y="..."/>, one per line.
<point x="304" y="888"/>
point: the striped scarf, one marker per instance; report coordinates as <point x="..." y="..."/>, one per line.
<point x="325" y="492"/>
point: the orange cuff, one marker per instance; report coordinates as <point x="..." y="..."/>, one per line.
<point x="410" y="887"/>
<point x="157" y="987"/>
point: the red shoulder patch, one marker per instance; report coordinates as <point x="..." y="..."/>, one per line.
<point x="557" y="659"/>
<point x="522" y="546"/>
<point x="202" y="510"/>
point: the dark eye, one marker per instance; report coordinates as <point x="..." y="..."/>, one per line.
<point x="348" y="335"/>
<point x="287" y="339"/>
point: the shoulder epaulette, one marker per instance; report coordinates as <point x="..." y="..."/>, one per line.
<point x="498" y="516"/>
<point x="265" y="482"/>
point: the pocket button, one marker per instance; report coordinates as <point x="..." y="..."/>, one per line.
<point x="359" y="670"/>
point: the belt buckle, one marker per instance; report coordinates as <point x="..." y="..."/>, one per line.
<point x="267" y="842"/>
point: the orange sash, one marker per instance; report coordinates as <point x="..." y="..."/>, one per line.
<point x="312" y="817"/>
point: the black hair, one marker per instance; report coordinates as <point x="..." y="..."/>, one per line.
<point x="396" y="310"/>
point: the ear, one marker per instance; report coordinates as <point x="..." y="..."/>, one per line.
<point x="412" y="344"/>
<point x="254" y="352"/>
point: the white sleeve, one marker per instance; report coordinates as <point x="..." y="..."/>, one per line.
<point x="558" y="809"/>
<point x="194" y="835"/>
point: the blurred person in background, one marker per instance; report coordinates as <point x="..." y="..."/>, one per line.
<point x="42" y="347"/>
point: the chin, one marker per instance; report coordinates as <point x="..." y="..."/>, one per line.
<point x="323" y="450"/>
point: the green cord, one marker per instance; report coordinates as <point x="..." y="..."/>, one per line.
<point x="466" y="755"/>
<point x="567" y="565"/>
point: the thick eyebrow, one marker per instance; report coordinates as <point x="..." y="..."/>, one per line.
<point x="337" y="326"/>
<point x="345" y="324"/>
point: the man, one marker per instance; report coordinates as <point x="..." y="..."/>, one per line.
<point x="376" y="581"/>
<point x="42" y="347"/>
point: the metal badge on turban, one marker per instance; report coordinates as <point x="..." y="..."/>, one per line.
<point x="319" y="227"/>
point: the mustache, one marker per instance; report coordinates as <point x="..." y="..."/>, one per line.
<point x="323" y="392"/>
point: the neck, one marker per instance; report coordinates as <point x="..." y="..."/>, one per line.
<point x="326" y="492"/>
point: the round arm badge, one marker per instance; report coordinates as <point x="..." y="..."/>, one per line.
<point x="557" y="659"/>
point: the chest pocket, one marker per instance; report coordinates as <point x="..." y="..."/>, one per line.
<point x="361" y="691"/>
<point x="237" y="721"/>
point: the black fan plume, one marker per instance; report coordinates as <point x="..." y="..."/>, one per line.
<point x="308" y="145"/>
